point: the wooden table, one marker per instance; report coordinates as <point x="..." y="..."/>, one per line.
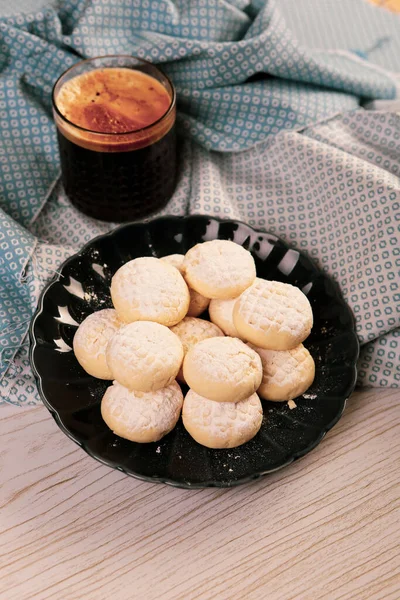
<point x="326" y="527"/>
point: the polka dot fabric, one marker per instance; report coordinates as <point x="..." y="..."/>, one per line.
<point x="336" y="201"/>
<point x="333" y="194"/>
<point x="211" y="50"/>
<point x="244" y="84"/>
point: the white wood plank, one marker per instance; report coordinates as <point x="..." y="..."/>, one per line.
<point x="327" y="526"/>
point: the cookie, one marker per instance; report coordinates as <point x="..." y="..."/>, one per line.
<point x="273" y="315"/>
<point x="198" y="303"/>
<point x="149" y="289"/>
<point x="144" y="356"/>
<point x="219" y="269"/>
<point x="221" y="313"/>
<point x="286" y="373"/>
<point x="191" y="331"/>
<point x="141" y="416"/>
<point x="223" y="369"/>
<point x="176" y="260"/>
<point x="221" y="424"/>
<point x="91" y="339"/>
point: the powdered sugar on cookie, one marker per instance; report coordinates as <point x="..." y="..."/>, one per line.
<point x="144" y="356"/>
<point x="91" y="339"/>
<point x="223" y="369"/>
<point x="221" y="313"/>
<point x="219" y="269"/>
<point x="273" y="315"/>
<point x="198" y="303"/>
<point x="149" y="289"/>
<point x="191" y="331"/>
<point x="286" y="373"/>
<point x="221" y="424"/>
<point x="139" y="416"/>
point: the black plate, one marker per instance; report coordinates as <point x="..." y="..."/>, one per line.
<point x="73" y="397"/>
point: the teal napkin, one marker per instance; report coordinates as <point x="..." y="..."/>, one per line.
<point x="249" y="92"/>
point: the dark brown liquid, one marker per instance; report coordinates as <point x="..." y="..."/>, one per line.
<point x="117" y="143"/>
<point x="119" y="186"/>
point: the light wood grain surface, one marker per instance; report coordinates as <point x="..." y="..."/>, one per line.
<point x="326" y="527"/>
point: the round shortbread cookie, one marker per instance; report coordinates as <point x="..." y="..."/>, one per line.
<point x="91" y="339"/>
<point x="221" y="424"/>
<point x="191" y="331"/>
<point x="223" y="369"/>
<point x="286" y="373"/>
<point x="219" y="269"/>
<point x="198" y="303"/>
<point x="140" y="416"/>
<point x="144" y="356"/>
<point x="221" y="313"/>
<point x="176" y="260"/>
<point x="149" y="289"/>
<point x="273" y="315"/>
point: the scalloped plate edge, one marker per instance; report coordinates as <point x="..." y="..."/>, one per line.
<point x="174" y="483"/>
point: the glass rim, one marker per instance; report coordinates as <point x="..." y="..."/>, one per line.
<point x="141" y="60"/>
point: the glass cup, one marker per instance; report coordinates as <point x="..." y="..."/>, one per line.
<point x="118" y="176"/>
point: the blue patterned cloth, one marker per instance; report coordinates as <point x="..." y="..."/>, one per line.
<point x="293" y="152"/>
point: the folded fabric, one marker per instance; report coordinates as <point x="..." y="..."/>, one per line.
<point x="244" y="84"/>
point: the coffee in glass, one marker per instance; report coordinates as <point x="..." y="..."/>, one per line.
<point x="115" y="118"/>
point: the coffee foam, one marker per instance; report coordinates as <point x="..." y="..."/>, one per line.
<point x="117" y="101"/>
